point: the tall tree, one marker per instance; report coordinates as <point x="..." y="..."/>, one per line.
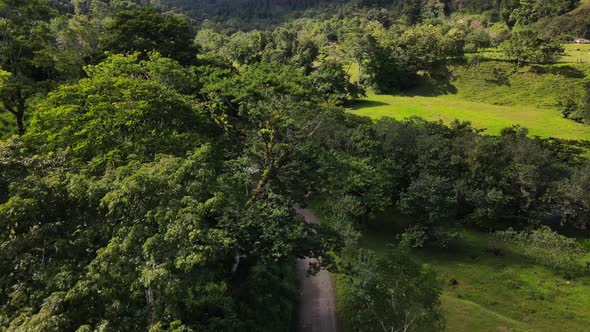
<point x="24" y="34"/>
<point x="146" y="30"/>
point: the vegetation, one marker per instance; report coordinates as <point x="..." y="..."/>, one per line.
<point x="391" y="293"/>
<point x="151" y="162"/>
<point x="545" y="246"/>
<point x="505" y="292"/>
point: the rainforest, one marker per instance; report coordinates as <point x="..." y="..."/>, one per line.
<point x="317" y="165"/>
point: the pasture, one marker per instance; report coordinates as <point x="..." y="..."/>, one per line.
<point x="493" y="95"/>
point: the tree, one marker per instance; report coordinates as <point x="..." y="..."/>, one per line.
<point x="420" y="48"/>
<point x="128" y="204"/>
<point x="380" y="15"/>
<point x="391" y="293"/>
<point x="476" y="40"/>
<point x="331" y="81"/>
<point x="524" y="47"/>
<point x="573" y="196"/>
<point x="25" y="33"/>
<point x="149" y="112"/>
<point x="431" y="200"/>
<point x="146" y="30"/>
<point x="380" y="66"/>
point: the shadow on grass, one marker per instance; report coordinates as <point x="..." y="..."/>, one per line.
<point x="501" y="78"/>
<point x="363" y="103"/>
<point x="473" y="247"/>
<point x="432" y="87"/>
<point x="567" y="71"/>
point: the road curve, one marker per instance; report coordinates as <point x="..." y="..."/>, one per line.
<point x="317" y="307"/>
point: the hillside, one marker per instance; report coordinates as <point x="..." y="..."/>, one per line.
<point x="220" y="10"/>
<point x="248" y="12"/>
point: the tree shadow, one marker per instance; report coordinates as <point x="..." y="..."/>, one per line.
<point x="364" y="103"/>
<point x="500" y="77"/>
<point x="438" y="83"/>
<point x="567" y="71"/>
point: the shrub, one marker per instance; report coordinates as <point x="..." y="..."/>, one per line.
<point x="569" y="106"/>
<point x="545" y="246"/>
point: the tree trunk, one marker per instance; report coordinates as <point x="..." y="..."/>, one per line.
<point x="360" y="73"/>
<point x="150" y="299"/>
<point x="17" y="106"/>
<point x="20" y="115"/>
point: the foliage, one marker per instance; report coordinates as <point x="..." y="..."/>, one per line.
<point x="391" y="293"/>
<point x="331" y="80"/>
<point x="146" y="114"/>
<point x="524" y="46"/>
<point x="126" y="206"/>
<point x="476" y="40"/>
<point x="25" y="37"/>
<point x="545" y="246"/>
<point x="146" y="30"/>
<point x="569" y="106"/>
<point x="154" y="186"/>
<point x="431" y="202"/>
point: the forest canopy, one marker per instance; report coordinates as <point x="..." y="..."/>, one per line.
<point x="151" y="159"/>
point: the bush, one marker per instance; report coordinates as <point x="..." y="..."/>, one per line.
<point x="391" y="293"/>
<point x="569" y="106"/>
<point x="545" y="246"/>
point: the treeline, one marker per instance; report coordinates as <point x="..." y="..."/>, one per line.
<point x="244" y="9"/>
<point x="388" y="56"/>
<point x="510" y="12"/>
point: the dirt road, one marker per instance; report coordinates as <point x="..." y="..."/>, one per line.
<point x="317" y="311"/>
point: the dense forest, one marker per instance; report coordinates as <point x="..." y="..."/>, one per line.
<point x="153" y="152"/>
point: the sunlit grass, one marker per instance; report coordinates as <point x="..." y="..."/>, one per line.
<point x="577" y="53"/>
<point x="492" y="95"/>
<point x="446" y="108"/>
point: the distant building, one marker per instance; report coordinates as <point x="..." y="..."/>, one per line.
<point x="581" y="41"/>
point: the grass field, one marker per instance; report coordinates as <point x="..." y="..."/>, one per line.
<point x="506" y="293"/>
<point x="492" y="96"/>
<point x="540" y="122"/>
<point x="575" y="53"/>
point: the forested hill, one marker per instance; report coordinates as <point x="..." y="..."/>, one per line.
<point x="246" y="9"/>
<point x="510" y="11"/>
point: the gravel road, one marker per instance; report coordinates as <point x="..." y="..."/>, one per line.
<point x="317" y="311"/>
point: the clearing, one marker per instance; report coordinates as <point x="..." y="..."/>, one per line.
<point x="492" y="95"/>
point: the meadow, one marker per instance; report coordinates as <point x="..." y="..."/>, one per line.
<point x="492" y="95"/>
<point x="493" y="293"/>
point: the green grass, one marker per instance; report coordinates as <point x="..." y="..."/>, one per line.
<point x="503" y="293"/>
<point x="492" y="96"/>
<point x="480" y="318"/>
<point x="446" y="108"/>
<point x="575" y="53"/>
